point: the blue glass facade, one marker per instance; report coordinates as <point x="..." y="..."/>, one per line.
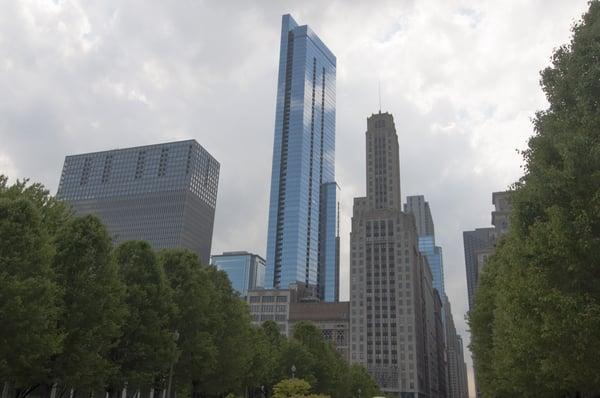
<point x="434" y="257"/>
<point x="329" y="282"/>
<point x="303" y="159"/>
<point x="246" y="271"/>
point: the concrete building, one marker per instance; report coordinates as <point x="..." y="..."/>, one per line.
<point x="480" y="243"/>
<point x="164" y="194"/>
<point x="287" y="307"/>
<point x="501" y="213"/>
<point x="271" y="305"/>
<point x="333" y="319"/>
<point x="463" y="384"/>
<point x="386" y="274"/>
<point x="246" y="271"/>
<point x="457" y="383"/>
<point x="301" y="242"/>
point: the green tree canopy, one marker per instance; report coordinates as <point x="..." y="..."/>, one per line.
<point x="195" y="317"/>
<point x="29" y="296"/>
<point x="93" y="304"/>
<point x="147" y="348"/>
<point x="536" y="320"/>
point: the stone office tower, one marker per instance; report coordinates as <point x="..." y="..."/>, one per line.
<point x="301" y="243"/>
<point x="164" y="194"/>
<point x="386" y="274"/>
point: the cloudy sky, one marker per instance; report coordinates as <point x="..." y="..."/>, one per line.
<point x="460" y="77"/>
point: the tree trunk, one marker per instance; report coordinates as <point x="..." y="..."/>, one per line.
<point x="5" y="389"/>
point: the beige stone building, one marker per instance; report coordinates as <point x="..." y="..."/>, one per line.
<point x="387" y="309"/>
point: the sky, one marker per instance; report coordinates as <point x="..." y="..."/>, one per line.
<point x="461" y="79"/>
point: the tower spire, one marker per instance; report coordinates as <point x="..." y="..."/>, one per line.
<point x="379" y="90"/>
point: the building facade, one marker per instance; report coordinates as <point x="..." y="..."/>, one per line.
<point x="386" y="274"/>
<point x="480" y="243"/>
<point x="287" y="307"/>
<point x="457" y="385"/>
<point x="164" y="194"/>
<point x="475" y="242"/>
<point x="271" y="305"/>
<point x="246" y="271"/>
<point x="420" y="209"/>
<point x="332" y="319"/>
<point x="302" y="217"/>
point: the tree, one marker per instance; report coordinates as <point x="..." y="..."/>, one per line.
<point x="537" y="312"/>
<point x="232" y="336"/>
<point x="147" y="348"/>
<point x="328" y="367"/>
<point x="195" y="318"/>
<point x="359" y="380"/>
<point x="54" y="213"/>
<point x="289" y="388"/>
<point x="93" y="304"/>
<point x="29" y="296"/>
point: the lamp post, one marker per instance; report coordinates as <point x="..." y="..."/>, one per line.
<point x="293" y="371"/>
<point x="175" y="338"/>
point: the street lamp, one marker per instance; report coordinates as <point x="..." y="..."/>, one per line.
<point x="175" y="338"/>
<point x="293" y="371"/>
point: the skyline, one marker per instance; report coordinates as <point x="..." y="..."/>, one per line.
<point x="429" y="115"/>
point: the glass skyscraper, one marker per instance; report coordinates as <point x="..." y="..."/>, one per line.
<point x="302" y="212"/>
<point x="246" y="271"/>
<point x="164" y="194"/>
<point x="419" y="208"/>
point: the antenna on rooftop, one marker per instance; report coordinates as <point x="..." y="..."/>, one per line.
<point x="379" y="89"/>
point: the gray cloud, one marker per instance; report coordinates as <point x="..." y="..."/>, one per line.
<point x="460" y="77"/>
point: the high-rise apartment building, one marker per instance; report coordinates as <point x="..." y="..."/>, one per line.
<point x="246" y="271"/>
<point x="388" y="324"/>
<point x="164" y="194"/>
<point x="301" y="244"/>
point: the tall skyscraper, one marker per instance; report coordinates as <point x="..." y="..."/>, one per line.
<point x="164" y="194"/>
<point x="419" y="208"/>
<point x="477" y="243"/>
<point x="388" y="299"/>
<point x="246" y="271"/>
<point x="302" y="211"/>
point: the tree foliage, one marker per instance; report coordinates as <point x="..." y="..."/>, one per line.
<point x="29" y="295"/>
<point x="76" y="311"/>
<point x="148" y="346"/>
<point x="536" y="320"/>
<point x="93" y="306"/>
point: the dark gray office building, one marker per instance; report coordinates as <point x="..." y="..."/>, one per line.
<point x="164" y="194"/>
